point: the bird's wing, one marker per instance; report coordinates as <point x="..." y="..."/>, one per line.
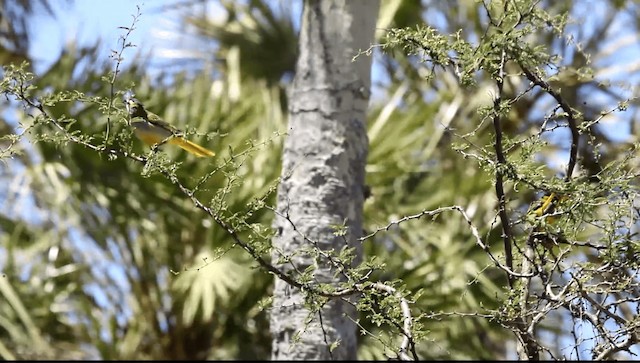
<point x="157" y="121"/>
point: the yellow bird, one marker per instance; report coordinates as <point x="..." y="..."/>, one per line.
<point x="546" y="211"/>
<point x="152" y="130"/>
<point x="547" y="206"/>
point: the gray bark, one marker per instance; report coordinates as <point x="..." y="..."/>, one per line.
<point x="323" y="172"/>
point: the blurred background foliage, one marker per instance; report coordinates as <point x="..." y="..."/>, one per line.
<point x="102" y="261"/>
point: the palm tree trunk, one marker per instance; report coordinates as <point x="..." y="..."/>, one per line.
<point x="323" y="174"/>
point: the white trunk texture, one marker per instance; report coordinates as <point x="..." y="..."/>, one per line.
<point x="323" y="173"/>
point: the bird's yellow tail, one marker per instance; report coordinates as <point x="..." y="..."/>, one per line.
<point x="191" y="147"/>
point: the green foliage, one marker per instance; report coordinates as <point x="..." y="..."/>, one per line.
<point x="261" y="35"/>
<point x="107" y="247"/>
<point x="133" y="222"/>
<point x="593" y="215"/>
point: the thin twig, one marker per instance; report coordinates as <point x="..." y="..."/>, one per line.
<point x="474" y="232"/>
<point x="407" y="341"/>
<point x="325" y="335"/>
<point x="117" y="55"/>
<point x="571" y="117"/>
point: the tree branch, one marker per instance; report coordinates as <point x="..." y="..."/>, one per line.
<point x="501" y="162"/>
<point x="571" y="117"/>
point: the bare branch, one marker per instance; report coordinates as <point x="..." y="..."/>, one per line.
<point x="407" y="341"/>
<point x="474" y="232"/>
<point x="571" y="117"/>
<point x="501" y="162"/>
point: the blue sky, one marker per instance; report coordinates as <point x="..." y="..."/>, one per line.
<point x="85" y="21"/>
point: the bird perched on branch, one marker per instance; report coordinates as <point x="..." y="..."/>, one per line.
<point x="544" y="213"/>
<point x="547" y="207"/>
<point x="152" y="130"/>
